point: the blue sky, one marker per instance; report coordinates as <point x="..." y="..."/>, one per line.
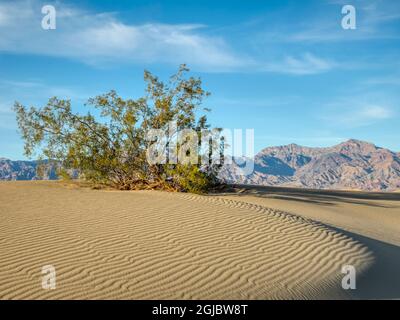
<point x="285" y="68"/>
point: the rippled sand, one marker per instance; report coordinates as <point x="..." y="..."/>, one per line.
<point x="159" y="245"/>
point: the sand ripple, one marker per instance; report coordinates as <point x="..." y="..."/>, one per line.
<point x="156" y="245"/>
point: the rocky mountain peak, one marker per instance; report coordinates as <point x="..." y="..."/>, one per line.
<point x="353" y="164"/>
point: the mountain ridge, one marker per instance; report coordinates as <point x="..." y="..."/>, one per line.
<point x="25" y="170"/>
<point x="352" y="164"/>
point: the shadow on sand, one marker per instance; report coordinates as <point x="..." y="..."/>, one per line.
<point x="323" y="197"/>
<point x="382" y="279"/>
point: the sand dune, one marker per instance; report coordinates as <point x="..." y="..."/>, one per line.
<point x="369" y="218"/>
<point x="158" y="245"/>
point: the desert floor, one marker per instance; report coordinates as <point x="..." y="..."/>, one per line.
<point x="248" y="243"/>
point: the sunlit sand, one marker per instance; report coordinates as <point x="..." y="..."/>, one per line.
<point x="159" y="245"/>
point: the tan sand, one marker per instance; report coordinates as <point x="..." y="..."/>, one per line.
<point x="369" y="218"/>
<point x="158" y="245"/>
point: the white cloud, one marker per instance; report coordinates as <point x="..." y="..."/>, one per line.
<point x="374" y="21"/>
<point x="101" y="39"/>
<point x="154" y="43"/>
<point x="355" y="113"/>
<point x="305" y="64"/>
<point x="374" y="112"/>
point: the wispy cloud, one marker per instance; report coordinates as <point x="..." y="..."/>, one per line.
<point x="357" y="114"/>
<point x="101" y="39"/>
<point x="302" y="65"/>
<point x="375" y="20"/>
<point x="251" y="102"/>
<point x="392" y="80"/>
<point x="34" y="92"/>
<point x="155" y="43"/>
<point x="374" y="112"/>
<point x="37" y="88"/>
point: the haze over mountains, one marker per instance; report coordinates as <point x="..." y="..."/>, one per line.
<point x="353" y="165"/>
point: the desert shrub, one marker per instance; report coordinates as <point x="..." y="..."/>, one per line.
<point x="111" y="148"/>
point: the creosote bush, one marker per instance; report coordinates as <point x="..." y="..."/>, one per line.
<point x="111" y="148"/>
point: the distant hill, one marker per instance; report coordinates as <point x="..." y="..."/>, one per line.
<point x="23" y="170"/>
<point x="354" y="164"/>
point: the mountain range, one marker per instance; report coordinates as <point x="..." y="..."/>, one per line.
<point x="24" y="170"/>
<point x="351" y="165"/>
